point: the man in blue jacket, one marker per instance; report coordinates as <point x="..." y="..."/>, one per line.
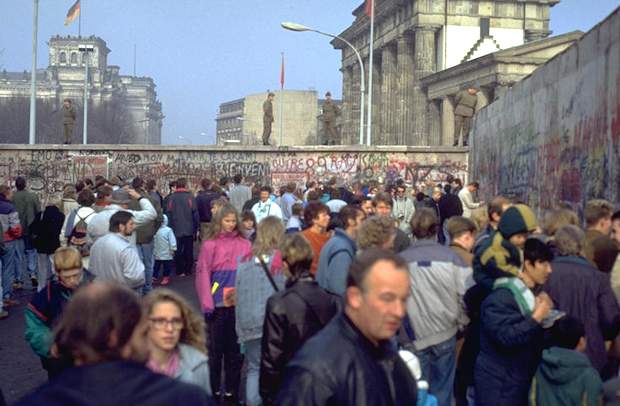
<point x="339" y="251"/>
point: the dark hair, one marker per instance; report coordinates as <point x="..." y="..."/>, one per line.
<point x="104" y="191"/>
<point x="20" y="183"/>
<point x="297" y="209"/>
<point x="100" y="182"/>
<point x="248" y="215"/>
<point x="424" y="223"/>
<point x="348" y="213"/>
<point x="92" y="315"/>
<point x="267" y="189"/>
<point x="297" y="253"/>
<point x="616" y="216"/>
<point x="447" y="188"/>
<point x="79" y="186"/>
<point x="459" y="225"/>
<point x="172" y="184"/>
<point x="335" y="194"/>
<point x="205" y="184"/>
<point x="224" y="180"/>
<point x="88" y="182"/>
<point x="118" y="218"/>
<point x="5" y="190"/>
<point x="237" y="179"/>
<point x="313" y="195"/>
<point x="151" y="184"/>
<point x="566" y="332"/>
<point x="137" y="183"/>
<point x="86" y="198"/>
<point x="597" y="210"/>
<point x="383" y="197"/>
<point x="459" y="182"/>
<point x="363" y="263"/>
<point x="312" y="211"/>
<point x="537" y="251"/>
<point x="474" y="184"/>
<point x="181" y="183"/>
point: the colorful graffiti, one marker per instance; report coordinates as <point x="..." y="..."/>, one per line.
<point x="49" y="170"/>
<point x="556" y="137"/>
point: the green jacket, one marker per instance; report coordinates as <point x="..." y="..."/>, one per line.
<point x="146" y="232"/>
<point x="27" y="205"/>
<point x="565" y="377"/>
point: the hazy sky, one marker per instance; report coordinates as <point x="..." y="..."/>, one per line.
<point x="203" y="52"/>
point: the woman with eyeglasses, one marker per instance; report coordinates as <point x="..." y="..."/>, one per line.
<point x="177" y="339"/>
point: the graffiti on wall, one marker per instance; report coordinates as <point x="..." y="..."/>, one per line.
<point x="48" y="171"/>
<point x="555" y="138"/>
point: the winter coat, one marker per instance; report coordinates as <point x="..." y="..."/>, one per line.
<point x="193" y="367"/>
<point x="336" y="258"/>
<point x="565" y="377"/>
<point x="165" y="242"/>
<point x="146" y="232"/>
<point x="114" y="259"/>
<point x="467" y="202"/>
<point x="203" y="204"/>
<point x="510" y="350"/>
<point x="99" y="224"/>
<point x="438" y="283"/>
<point x="217" y="264"/>
<point x="28" y="206"/>
<point x="449" y="206"/>
<point x="9" y="220"/>
<point x="340" y="366"/>
<point x="84" y="212"/>
<point x="292" y="316"/>
<point x="45" y="230"/>
<point x="182" y="213"/>
<point x="253" y="288"/>
<point x="403" y="211"/>
<point x="582" y="291"/>
<point x="100" y="384"/>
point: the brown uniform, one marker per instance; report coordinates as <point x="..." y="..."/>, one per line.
<point x="465" y="109"/>
<point x="330" y="112"/>
<point x="68" y="121"/>
<point x="267" y="120"/>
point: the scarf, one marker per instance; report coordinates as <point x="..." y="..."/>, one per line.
<point x="522" y="294"/>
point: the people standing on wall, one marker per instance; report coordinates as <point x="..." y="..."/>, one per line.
<point x="68" y="120"/>
<point x="28" y="206"/>
<point x="267" y="117"/>
<point x="330" y="113"/>
<point x="11" y="232"/>
<point x="183" y="218"/>
<point x="221" y="252"/>
<point x="465" y="102"/>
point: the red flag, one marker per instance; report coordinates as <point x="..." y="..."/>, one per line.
<point x="368" y="8"/>
<point x="282" y="73"/>
<point x="73" y="12"/>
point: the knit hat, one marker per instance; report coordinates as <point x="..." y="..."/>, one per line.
<point x="517" y="219"/>
<point x="121" y="196"/>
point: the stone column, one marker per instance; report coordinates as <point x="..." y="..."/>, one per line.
<point x="377" y="98"/>
<point x="389" y="94"/>
<point x="424" y="65"/>
<point x="405" y="86"/>
<point x="447" y="121"/>
<point x="345" y="130"/>
<point x="434" y="122"/>
<point x="354" y="115"/>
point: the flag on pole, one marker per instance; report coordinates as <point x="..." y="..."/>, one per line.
<point x="73" y="12"/>
<point x="368" y="8"/>
<point x="282" y="72"/>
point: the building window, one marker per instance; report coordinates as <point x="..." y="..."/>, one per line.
<point x="74" y="58"/>
<point x="63" y="57"/>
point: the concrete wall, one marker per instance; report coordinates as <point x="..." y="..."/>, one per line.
<point x="48" y="168"/>
<point x="555" y="135"/>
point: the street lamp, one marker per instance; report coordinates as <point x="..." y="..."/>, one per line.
<point x="300" y="28"/>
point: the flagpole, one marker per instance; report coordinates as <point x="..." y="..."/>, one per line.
<point x="33" y="76"/>
<point x="281" y="97"/>
<point x="370" y="68"/>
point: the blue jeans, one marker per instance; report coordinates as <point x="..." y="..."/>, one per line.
<point x="252" y="354"/>
<point x="27" y="260"/>
<point x="446" y="235"/>
<point x="145" y="251"/>
<point x="167" y="264"/>
<point x="1" y="295"/>
<point x="9" y="266"/>
<point x="438" y="364"/>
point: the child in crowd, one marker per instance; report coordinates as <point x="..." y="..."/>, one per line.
<point x="222" y="249"/>
<point x="565" y="375"/>
<point x="294" y="224"/>
<point x="248" y="224"/>
<point x="46" y="306"/>
<point x="165" y="247"/>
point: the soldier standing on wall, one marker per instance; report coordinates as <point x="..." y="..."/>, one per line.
<point x="465" y="101"/>
<point x="330" y="112"/>
<point x="267" y="117"/>
<point x="68" y="119"/>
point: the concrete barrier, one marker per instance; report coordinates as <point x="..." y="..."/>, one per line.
<point x="49" y="167"/>
<point x="555" y="135"/>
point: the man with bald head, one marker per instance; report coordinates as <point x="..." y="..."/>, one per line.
<point x="104" y="332"/>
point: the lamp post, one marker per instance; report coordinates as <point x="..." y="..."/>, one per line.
<point x="85" y="49"/>
<point x="299" y="28"/>
<point x="33" y="77"/>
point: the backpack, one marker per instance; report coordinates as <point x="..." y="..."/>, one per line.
<point x="76" y="232"/>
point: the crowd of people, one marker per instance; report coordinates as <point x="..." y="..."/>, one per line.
<point x="367" y="294"/>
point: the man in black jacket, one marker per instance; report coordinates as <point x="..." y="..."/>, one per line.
<point x="183" y="219"/>
<point x="104" y="331"/>
<point x="352" y="360"/>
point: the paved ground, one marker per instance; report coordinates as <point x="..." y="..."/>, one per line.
<point x="20" y="368"/>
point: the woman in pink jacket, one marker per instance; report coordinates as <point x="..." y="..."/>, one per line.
<point x="222" y="250"/>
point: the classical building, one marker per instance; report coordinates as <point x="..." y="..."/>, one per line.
<point x="415" y="39"/>
<point x="122" y="109"/>
<point x="240" y="121"/>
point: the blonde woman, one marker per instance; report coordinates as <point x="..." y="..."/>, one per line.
<point x="176" y="338"/>
<point x="258" y="277"/>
